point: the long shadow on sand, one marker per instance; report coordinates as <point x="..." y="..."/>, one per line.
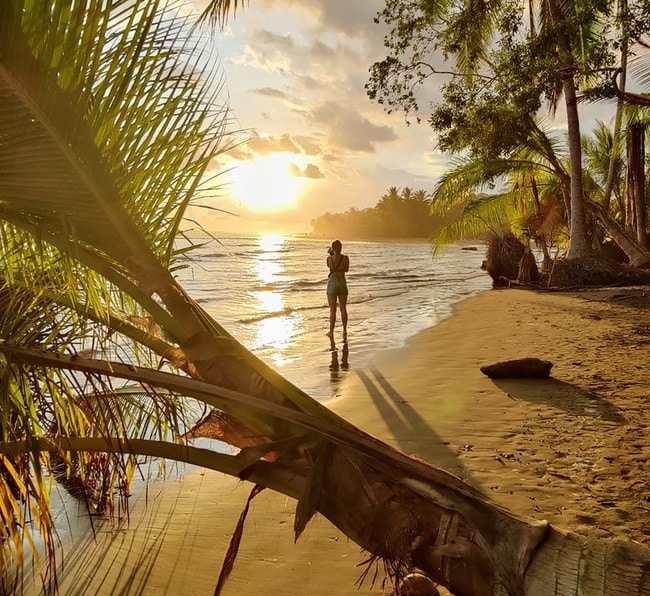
<point x="561" y="395"/>
<point x="410" y="429"/>
<point x="139" y="548"/>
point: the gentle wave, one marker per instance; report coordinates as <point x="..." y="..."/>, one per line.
<point x="278" y="313"/>
<point x="209" y="256"/>
<point x="272" y="297"/>
<point x="290" y="286"/>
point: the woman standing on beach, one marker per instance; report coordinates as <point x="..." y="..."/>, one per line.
<point x="337" y="288"/>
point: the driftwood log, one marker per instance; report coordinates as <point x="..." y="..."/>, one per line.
<point x="522" y="368"/>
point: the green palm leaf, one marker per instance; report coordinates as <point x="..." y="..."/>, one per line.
<point x="463" y="194"/>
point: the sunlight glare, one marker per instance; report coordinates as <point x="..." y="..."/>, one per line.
<point x="271" y="242"/>
<point x="276" y="330"/>
<point x="266" y="183"/>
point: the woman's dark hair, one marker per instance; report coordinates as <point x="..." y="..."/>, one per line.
<point x="337" y="246"/>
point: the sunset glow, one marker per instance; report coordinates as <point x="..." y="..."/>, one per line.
<point x="276" y="331"/>
<point x="266" y="183"/>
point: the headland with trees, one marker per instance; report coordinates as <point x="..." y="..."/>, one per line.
<point x="400" y="213"/>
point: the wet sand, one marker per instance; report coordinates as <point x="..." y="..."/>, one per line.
<point x="573" y="449"/>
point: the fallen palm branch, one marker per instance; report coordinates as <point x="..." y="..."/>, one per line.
<point x="402" y="510"/>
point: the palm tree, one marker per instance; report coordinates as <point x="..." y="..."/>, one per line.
<point x="559" y="16"/>
<point x="533" y="202"/>
<point x="108" y="121"/>
<point x="605" y="165"/>
<point x="505" y="63"/>
<point x="388" y="209"/>
<point x="625" y="178"/>
<point x="636" y="180"/>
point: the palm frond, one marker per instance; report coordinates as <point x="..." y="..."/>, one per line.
<point x="639" y="66"/>
<point x="110" y="116"/>
<point x="480" y="215"/>
<point x="141" y="111"/>
<point x="217" y="11"/>
<point x="471" y="212"/>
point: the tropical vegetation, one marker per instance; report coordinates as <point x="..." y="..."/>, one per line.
<point x="400" y="213"/>
<point x="110" y="113"/>
<point x="504" y="63"/>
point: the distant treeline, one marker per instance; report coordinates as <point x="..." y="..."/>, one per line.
<point x="398" y="214"/>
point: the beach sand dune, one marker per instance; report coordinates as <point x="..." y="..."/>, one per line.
<point x="572" y="449"/>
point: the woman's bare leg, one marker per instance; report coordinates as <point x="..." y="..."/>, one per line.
<point x="331" y="300"/>
<point x="343" y="303"/>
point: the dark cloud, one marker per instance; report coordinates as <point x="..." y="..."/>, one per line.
<point x="322" y="52"/>
<point x="311" y="144"/>
<point x="348" y="129"/>
<point x="271" y="92"/>
<point x="349" y="17"/>
<point x="284" y="43"/>
<point x="265" y="146"/>
<point x="239" y="153"/>
<point x="311" y="171"/>
<point x="352" y="18"/>
<point x="309" y="83"/>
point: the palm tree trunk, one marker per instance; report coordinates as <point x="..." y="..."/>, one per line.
<point x="579" y="245"/>
<point x="546" y="263"/>
<point x="636" y="181"/>
<point x="620" y="103"/>
<point x="566" y="559"/>
<point x="402" y="510"/>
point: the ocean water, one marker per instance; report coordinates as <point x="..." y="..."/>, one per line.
<point x="269" y="292"/>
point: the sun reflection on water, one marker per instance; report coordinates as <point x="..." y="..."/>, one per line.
<point x="274" y="332"/>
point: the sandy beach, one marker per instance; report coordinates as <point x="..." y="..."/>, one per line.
<point x="573" y="449"/>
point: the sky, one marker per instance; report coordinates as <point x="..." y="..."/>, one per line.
<point x="295" y="73"/>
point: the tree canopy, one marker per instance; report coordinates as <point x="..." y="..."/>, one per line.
<point x="502" y="62"/>
<point x="398" y="214"/>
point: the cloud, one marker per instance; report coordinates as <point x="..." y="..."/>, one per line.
<point x="351" y="18"/>
<point x="309" y="62"/>
<point x="239" y="153"/>
<point x="271" y="92"/>
<point x="263" y="146"/>
<point x="311" y="144"/>
<point x="348" y="129"/>
<point x="267" y="51"/>
<point x="309" y="83"/>
<point x="311" y="171"/>
<point x="294" y="170"/>
<point x="272" y="144"/>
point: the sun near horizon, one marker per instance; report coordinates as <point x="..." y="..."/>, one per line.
<point x="266" y="184"/>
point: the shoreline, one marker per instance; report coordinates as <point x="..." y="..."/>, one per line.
<point x="572" y="449"/>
